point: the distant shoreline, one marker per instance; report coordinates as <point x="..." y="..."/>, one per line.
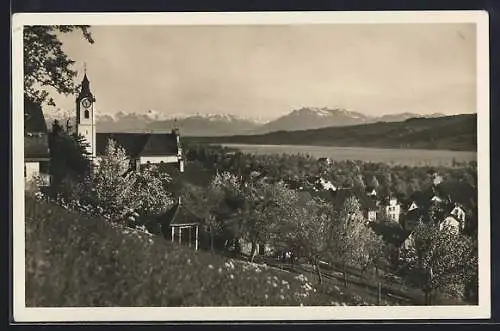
<point x="344" y="147"/>
<point x="396" y="156"/>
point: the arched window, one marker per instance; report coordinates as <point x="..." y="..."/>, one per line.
<point x="86" y="113"/>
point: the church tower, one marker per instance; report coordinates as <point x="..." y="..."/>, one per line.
<point x="85" y="116"/>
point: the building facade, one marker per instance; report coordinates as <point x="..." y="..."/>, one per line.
<point x="393" y="209"/>
<point x="36" y="145"/>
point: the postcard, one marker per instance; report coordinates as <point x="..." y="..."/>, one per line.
<point x="258" y="166"/>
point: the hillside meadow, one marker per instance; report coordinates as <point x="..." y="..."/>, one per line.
<point x="82" y="261"/>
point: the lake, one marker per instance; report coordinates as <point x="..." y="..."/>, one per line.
<point x="411" y="157"/>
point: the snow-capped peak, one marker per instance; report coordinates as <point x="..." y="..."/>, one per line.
<point x="326" y="112"/>
<point x="217" y="117"/>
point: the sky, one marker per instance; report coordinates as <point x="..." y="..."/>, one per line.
<point x="267" y="71"/>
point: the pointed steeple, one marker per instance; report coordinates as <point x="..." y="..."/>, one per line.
<point x="85" y="89"/>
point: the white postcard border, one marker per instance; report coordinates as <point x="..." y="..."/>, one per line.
<point x="24" y="314"/>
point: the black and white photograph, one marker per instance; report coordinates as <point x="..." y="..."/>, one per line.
<point x="284" y="166"/>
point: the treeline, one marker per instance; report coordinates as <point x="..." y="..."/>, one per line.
<point x="303" y="171"/>
<point x="444" y="133"/>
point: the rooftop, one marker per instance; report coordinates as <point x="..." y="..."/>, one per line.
<point x="139" y="144"/>
<point x="179" y="215"/>
<point x="36" y="143"/>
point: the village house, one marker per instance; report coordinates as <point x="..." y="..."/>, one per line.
<point x="370" y="208"/>
<point x="416" y="210"/>
<point x="323" y="184"/>
<point x="142" y="148"/>
<point x="438" y="195"/>
<point x="36" y="144"/>
<point x="454" y="220"/>
<point x="324" y="161"/>
<point x="392" y="208"/>
<point x="371" y="192"/>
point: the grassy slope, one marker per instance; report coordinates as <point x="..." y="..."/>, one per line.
<point x="74" y="260"/>
<point x="446" y="133"/>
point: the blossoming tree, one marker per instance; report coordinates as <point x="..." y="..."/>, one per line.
<point x="117" y="191"/>
<point x="440" y="259"/>
<point x="352" y="240"/>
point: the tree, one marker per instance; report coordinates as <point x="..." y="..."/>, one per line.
<point x="151" y="195"/>
<point x="440" y="260"/>
<point x="46" y="64"/>
<point x="372" y="182"/>
<point x="120" y="194"/>
<point x="111" y="187"/>
<point x="307" y="229"/>
<point x="352" y="239"/>
<point x="205" y="203"/>
<point x="374" y="253"/>
<point x="69" y="163"/>
<point x="266" y="204"/>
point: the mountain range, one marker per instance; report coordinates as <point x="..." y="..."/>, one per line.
<point x="314" y="118"/>
<point x="225" y="124"/>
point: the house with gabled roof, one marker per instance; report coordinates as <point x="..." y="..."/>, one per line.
<point x="371" y="191"/>
<point x="36" y="144"/>
<point x="416" y="209"/>
<point x="454" y="220"/>
<point x="438" y="195"/>
<point x="392" y="208"/>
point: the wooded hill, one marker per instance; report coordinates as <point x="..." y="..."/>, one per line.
<point x="458" y="132"/>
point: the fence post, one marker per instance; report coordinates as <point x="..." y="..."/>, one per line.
<point x="379" y="298"/>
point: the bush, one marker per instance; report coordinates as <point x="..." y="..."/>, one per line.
<point x="80" y="261"/>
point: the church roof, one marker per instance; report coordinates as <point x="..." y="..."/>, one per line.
<point x="131" y="142"/>
<point x="160" y="144"/>
<point x="139" y="144"/>
<point x="36" y="142"/>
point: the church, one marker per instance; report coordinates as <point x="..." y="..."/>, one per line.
<point x="142" y="148"/>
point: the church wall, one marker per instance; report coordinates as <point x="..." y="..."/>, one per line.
<point x="88" y="132"/>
